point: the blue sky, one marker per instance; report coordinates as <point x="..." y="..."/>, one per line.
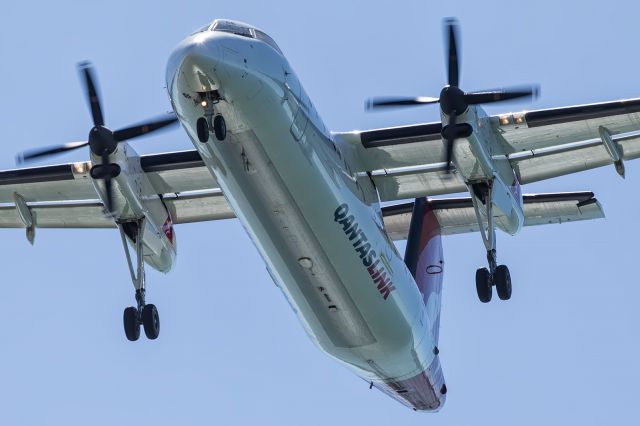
<point x="563" y="350"/>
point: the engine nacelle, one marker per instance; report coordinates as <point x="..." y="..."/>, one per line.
<point x="132" y="202"/>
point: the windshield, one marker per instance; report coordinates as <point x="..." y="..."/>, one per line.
<point x="244" y="30"/>
<point x="232" y="27"/>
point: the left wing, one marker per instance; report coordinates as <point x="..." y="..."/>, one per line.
<point x="407" y="162"/>
<point x="553" y="142"/>
<point x="63" y="196"/>
<point x="404" y="162"/>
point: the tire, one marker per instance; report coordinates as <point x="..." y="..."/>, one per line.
<point x="202" y="128"/>
<point x="502" y="280"/>
<point x="131" y="324"/>
<point x="151" y="321"/>
<point x="483" y="285"/>
<point x="220" y="127"/>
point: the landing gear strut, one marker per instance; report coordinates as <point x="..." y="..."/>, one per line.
<point x="497" y="275"/>
<point x="143" y="314"/>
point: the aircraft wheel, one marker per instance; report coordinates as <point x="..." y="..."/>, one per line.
<point x="483" y="285"/>
<point x="220" y="127"/>
<point x="131" y="324"/>
<point x="202" y="128"/>
<point x="151" y="321"/>
<point x="502" y="279"/>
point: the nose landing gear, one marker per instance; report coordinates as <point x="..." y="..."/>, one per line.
<point x="203" y="128"/>
<point x="497" y="275"/>
<point x="211" y="121"/>
<point x="144" y="314"/>
<point x="220" y="127"/>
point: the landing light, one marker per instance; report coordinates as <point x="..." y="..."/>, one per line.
<point x="504" y="120"/>
<point x="80" y="168"/>
<point x="203" y="103"/>
<point x="519" y="119"/>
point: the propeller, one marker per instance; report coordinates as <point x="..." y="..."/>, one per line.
<point x="453" y="101"/>
<point x="102" y="141"/>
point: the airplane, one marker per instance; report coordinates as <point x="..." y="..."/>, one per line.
<point x="324" y="208"/>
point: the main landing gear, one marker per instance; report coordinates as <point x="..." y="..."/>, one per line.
<point x="497" y="275"/>
<point x="143" y="314"/>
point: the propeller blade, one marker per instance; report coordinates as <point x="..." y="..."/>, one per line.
<point x="88" y="74"/>
<point x="451" y="139"/>
<point x="399" y="102"/>
<point x="43" y="152"/>
<point x="144" y="128"/>
<point x="453" y="63"/>
<point x="489" y="96"/>
<point x="107" y="186"/>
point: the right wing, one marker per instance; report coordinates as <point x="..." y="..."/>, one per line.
<point x="63" y="196"/>
<point x="457" y="216"/>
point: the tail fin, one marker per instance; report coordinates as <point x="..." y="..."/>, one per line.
<point x="425" y="260"/>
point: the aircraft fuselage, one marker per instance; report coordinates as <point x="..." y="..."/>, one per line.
<point x="317" y="225"/>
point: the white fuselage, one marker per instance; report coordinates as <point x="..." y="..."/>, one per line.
<point x="292" y="189"/>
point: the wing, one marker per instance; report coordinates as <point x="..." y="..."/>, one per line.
<point x="63" y="196"/>
<point x="456" y="215"/>
<point x="404" y="162"/>
<point x="548" y="143"/>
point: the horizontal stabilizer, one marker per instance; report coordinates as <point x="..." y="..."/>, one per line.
<point x="456" y="215"/>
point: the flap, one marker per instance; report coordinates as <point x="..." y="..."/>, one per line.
<point x="456" y="215"/>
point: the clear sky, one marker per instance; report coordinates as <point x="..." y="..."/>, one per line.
<point x="564" y="350"/>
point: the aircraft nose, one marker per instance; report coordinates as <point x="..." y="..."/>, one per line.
<point x="193" y="64"/>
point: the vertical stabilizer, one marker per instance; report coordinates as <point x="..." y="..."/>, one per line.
<point x="425" y="260"/>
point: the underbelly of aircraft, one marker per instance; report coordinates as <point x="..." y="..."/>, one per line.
<point x="287" y="201"/>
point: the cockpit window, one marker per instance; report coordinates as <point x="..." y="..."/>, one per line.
<point x="232" y="27"/>
<point x="238" y="28"/>
<point x="264" y="37"/>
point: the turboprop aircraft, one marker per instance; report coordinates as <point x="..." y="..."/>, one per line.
<point x="311" y="200"/>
